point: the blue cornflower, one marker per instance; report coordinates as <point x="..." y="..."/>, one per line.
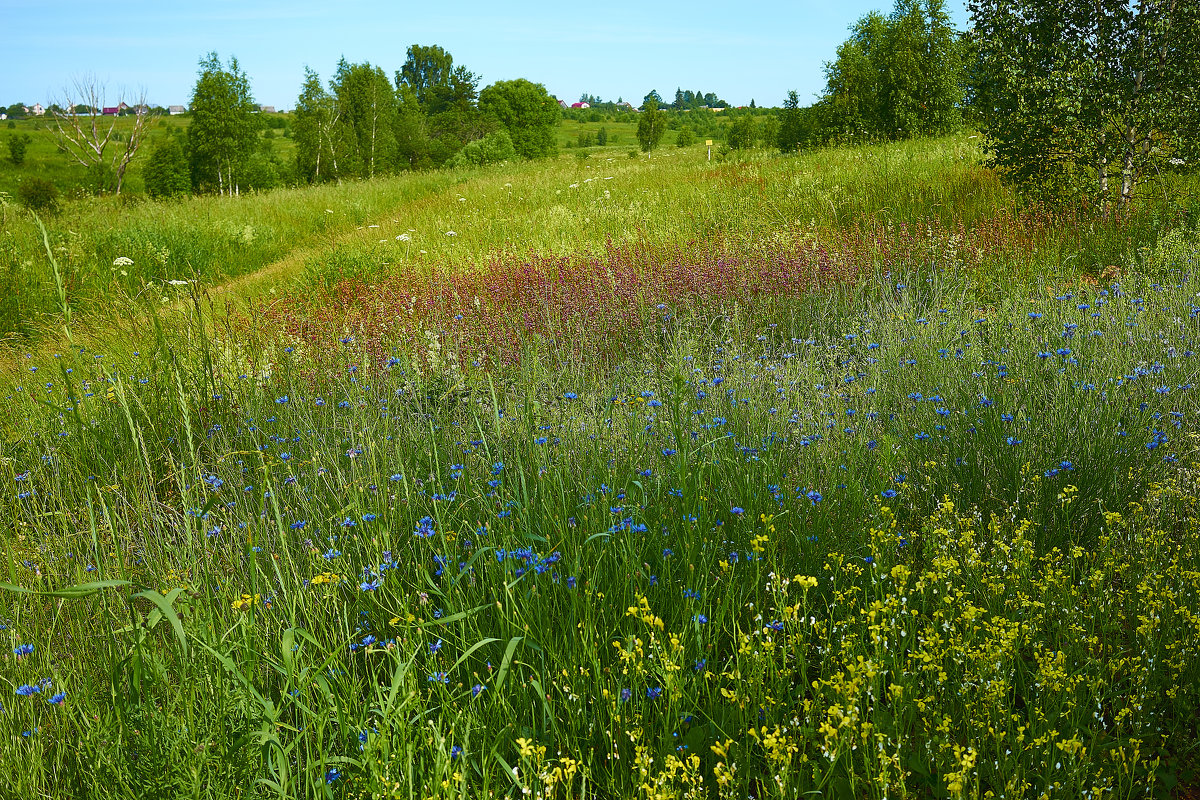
<point x="27" y="690"/>
<point x="888" y="493"/>
<point x="477" y="689"/>
<point x="58" y="699"/>
<point x="737" y="510"/>
<point x="653" y="693"/>
<point x="333" y="774"/>
<point x="22" y="650"/>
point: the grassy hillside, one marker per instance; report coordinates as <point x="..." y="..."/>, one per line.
<point x="862" y="203"/>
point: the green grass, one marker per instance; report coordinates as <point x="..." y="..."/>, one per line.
<point x="44" y="160"/>
<point x="758" y="199"/>
<point x="926" y="529"/>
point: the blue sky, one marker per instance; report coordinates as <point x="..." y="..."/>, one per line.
<point x="613" y="48"/>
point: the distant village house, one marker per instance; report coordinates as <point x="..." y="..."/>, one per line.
<point x="176" y="110"/>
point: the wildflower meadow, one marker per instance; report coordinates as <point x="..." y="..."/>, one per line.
<point x="834" y="509"/>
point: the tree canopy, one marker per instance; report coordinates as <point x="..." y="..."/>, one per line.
<point x="527" y="112"/>
<point x="1085" y="99"/>
<point x="897" y="76"/>
<point x="223" y="135"/>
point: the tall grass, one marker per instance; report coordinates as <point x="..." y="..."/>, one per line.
<point x="873" y="542"/>
<point x="879" y="197"/>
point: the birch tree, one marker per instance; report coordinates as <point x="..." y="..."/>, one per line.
<point x="92" y="139"/>
<point x="366" y="103"/>
<point x="222" y="136"/>
<point x="1088" y="98"/>
<point x="315" y="131"/>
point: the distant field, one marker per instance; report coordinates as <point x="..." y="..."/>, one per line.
<point x="46" y="161"/>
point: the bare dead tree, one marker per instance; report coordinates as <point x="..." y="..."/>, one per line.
<point x="85" y="134"/>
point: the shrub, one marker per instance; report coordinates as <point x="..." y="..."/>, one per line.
<point x="166" y="173"/>
<point x="17" y="145"/>
<point x="491" y="149"/>
<point x="38" y="194"/>
<point x="685" y="137"/>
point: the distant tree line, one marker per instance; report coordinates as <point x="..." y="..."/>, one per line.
<point x="361" y="124"/>
<point x="365" y="124"/>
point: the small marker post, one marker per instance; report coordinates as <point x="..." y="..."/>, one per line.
<point x="708" y="142"/>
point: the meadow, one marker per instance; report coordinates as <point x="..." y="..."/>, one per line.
<point x="842" y="474"/>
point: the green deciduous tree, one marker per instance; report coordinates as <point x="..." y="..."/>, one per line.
<point x="527" y="111"/>
<point x="316" y="131"/>
<point x="223" y="135"/>
<point x="897" y="76"/>
<point x="651" y="124"/>
<point x="1087" y="98"/>
<point x="366" y="105"/>
<point x="742" y="133"/>
<point x="427" y="68"/>
<point x="166" y="172"/>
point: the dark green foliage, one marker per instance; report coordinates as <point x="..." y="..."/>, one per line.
<point x="896" y="76"/>
<point x="685" y="137"/>
<point x="17" y="145"/>
<point x="223" y="134"/>
<point x="437" y="108"/>
<point x="166" y="173"/>
<point x="1086" y="99"/>
<point x="743" y="133"/>
<point x="791" y="125"/>
<point x="38" y="194"/>
<point x="427" y="69"/>
<point x="651" y="124"/>
<point x="602" y="136"/>
<point x="527" y="112"/>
